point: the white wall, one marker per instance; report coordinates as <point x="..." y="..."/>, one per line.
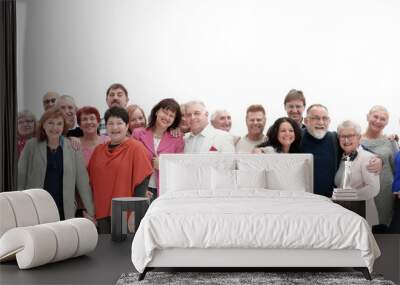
<point x="228" y="53"/>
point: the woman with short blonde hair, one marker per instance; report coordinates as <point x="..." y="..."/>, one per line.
<point x="374" y="140"/>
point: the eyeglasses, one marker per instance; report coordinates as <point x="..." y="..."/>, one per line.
<point x="48" y="101"/>
<point x="25" y="121"/>
<point x="194" y="114"/>
<point x="294" y="106"/>
<point x="317" y="119"/>
<point x="347" y="137"/>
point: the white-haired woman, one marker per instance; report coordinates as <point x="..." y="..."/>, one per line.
<point x="365" y="182"/>
<point x="374" y="140"/>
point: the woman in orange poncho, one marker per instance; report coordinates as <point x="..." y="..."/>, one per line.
<point x="119" y="168"/>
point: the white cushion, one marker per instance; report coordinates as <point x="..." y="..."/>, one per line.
<point x="224" y="179"/>
<point x="180" y="172"/>
<point x="45" y="206"/>
<point x="251" y="178"/>
<point x="33" y="246"/>
<point x="87" y="235"/>
<point x="67" y="240"/>
<point x="23" y="208"/>
<point x="40" y="244"/>
<point x="7" y="218"/>
<point x="283" y="172"/>
<point x="184" y="177"/>
<point x="26" y="208"/>
<point x="292" y="181"/>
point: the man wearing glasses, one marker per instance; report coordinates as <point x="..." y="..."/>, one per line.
<point x="324" y="146"/>
<point x="295" y="103"/>
<point x="49" y="99"/>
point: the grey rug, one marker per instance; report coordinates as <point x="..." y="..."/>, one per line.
<point x="225" y="278"/>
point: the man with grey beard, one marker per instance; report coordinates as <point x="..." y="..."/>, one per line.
<point x="323" y="145"/>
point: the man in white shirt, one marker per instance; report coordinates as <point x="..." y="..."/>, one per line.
<point x="255" y="121"/>
<point x="204" y="137"/>
<point x="221" y="120"/>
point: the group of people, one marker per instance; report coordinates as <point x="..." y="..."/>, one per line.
<point x="84" y="160"/>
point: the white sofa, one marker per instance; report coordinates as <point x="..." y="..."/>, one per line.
<point x="31" y="230"/>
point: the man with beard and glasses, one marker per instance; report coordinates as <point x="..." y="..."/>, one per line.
<point x="323" y="145"/>
<point x="116" y="95"/>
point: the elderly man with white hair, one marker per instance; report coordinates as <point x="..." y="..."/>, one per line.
<point x="221" y="120"/>
<point x="49" y="99"/>
<point x="366" y="183"/>
<point x="68" y="107"/>
<point x="323" y="145"/>
<point x="203" y="137"/>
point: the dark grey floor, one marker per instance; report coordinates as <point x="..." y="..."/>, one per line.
<point x="389" y="262"/>
<point x="111" y="259"/>
<point x="102" y="266"/>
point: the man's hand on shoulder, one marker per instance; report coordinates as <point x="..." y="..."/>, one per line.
<point x="393" y="137"/>
<point x="75" y="143"/>
<point x="375" y="165"/>
<point x="176" y="133"/>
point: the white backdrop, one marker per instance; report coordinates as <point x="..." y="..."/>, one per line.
<point x="228" y="53"/>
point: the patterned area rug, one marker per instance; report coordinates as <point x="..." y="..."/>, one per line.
<point x="273" y="278"/>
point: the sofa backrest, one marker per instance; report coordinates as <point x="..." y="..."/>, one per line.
<point x="209" y="171"/>
<point x="26" y="208"/>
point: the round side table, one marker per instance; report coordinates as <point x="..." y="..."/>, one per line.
<point x="119" y="214"/>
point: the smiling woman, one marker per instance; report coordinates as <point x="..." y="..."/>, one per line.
<point x="374" y="139"/>
<point x="26" y="128"/>
<point x="88" y="120"/>
<point x="165" y="116"/>
<point x="137" y="118"/>
<point x="283" y="137"/>
<point x="49" y="162"/>
<point x="366" y="183"/>
<point x="118" y="168"/>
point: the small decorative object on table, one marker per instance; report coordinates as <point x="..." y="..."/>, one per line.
<point x="119" y="214"/>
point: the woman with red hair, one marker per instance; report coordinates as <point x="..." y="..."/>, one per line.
<point x="88" y="120"/>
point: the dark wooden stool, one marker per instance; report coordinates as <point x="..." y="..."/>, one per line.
<point x="119" y="214"/>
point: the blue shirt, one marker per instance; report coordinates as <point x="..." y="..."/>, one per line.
<point x="396" y="178"/>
